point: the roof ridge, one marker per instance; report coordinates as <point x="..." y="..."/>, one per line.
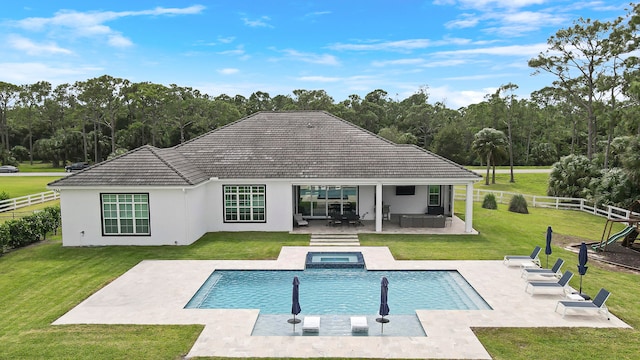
<point x="170" y="165"/>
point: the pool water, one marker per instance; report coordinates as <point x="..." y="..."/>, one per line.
<point x="334" y="260"/>
<point x="336" y="291"/>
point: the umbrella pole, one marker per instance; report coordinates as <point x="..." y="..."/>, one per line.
<point x="580" y="284"/>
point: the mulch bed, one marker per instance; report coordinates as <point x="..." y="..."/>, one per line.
<point x="616" y="257"/>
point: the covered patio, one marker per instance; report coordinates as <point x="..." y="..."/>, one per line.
<point x="453" y="226"/>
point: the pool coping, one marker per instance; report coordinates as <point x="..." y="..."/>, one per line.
<point x="154" y="292"/>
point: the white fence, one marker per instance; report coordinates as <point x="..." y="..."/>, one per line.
<point x="504" y="197"/>
<point x="24" y="201"/>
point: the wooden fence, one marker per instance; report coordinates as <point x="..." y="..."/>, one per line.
<point x="28" y="200"/>
<point x="504" y="197"/>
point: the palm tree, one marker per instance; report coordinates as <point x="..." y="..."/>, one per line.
<point x="486" y="143"/>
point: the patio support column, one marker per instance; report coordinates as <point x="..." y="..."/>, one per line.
<point x="468" y="213"/>
<point x="378" y="207"/>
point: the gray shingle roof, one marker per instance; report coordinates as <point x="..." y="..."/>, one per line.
<point x="285" y="145"/>
<point x="146" y="165"/>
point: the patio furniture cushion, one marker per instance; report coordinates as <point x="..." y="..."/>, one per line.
<point x="359" y="324"/>
<point x="311" y="324"/>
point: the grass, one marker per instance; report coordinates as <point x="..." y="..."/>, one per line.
<point x="17" y="186"/>
<point x="38" y="166"/>
<point x="530" y="184"/>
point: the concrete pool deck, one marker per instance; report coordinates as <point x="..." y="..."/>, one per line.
<point x="156" y="291"/>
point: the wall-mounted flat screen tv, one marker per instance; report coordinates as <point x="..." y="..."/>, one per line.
<point x="405" y="190"/>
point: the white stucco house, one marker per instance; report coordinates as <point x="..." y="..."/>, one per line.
<point x="254" y="175"/>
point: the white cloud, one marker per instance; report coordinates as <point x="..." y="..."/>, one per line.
<point x="443" y="63"/>
<point x="321" y="59"/>
<point x="456" y="99"/>
<point x="228" y="71"/>
<point x="226" y="40"/>
<point x="238" y="51"/>
<point x="383" y="63"/>
<point x="260" y="22"/>
<point x="31" y="72"/>
<point x="69" y="23"/>
<point x="511" y="50"/>
<point x="465" y="21"/>
<point x="489" y="4"/>
<point x="322" y="79"/>
<point x="400" y="45"/>
<point x="23" y="44"/>
<point x="117" y="40"/>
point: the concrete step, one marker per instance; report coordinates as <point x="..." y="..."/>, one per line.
<point x="334" y="240"/>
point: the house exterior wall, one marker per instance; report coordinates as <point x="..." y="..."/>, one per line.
<point x="279" y="212"/>
<point x="82" y="218"/>
<point x="405" y="204"/>
<point x="195" y="214"/>
<point x="366" y="203"/>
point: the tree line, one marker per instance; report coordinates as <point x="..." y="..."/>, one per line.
<point x="591" y="109"/>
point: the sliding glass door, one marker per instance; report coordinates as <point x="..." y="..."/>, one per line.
<point x="321" y="201"/>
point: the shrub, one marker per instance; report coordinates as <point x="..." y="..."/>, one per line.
<point x="20" y="153"/>
<point x="29" y="229"/>
<point x="518" y="204"/>
<point x="572" y="176"/>
<point x="489" y="202"/>
<point x="4" y="238"/>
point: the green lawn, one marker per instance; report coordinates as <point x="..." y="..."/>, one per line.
<point x="530" y="184"/>
<point x="40" y="283"/>
<point x="17" y="186"/>
<point x="38" y="166"/>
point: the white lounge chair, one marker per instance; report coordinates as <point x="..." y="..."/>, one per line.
<point x="359" y="324"/>
<point x="311" y="324"/>
<point x="551" y="274"/>
<point x="519" y="260"/>
<point x="559" y="286"/>
<point x="596" y="305"/>
<point x="299" y="220"/>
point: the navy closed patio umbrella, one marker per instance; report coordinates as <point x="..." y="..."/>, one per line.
<point x="384" y="306"/>
<point x="582" y="262"/>
<point x="547" y="250"/>
<point x="295" y="301"/>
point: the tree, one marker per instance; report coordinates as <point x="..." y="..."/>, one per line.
<point x="453" y="142"/>
<point x="32" y="98"/>
<point x="312" y="100"/>
<point x="392" y="134"/>
<point x="486" y="143"/>
<point x="510" y="96"/>
<point x="578" y="57"/>
<point x="8" y="96"/>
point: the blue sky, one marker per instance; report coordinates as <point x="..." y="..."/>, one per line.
<point x="460" y="50"/>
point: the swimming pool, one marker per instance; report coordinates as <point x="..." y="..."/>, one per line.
<point x="337" y="291"/>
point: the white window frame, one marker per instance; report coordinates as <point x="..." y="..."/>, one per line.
<point x="126" y="213"/>
<point x="244" y="203"/>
